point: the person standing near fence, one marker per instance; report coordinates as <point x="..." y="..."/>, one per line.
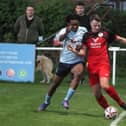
<point x="96" y="42"/>
<point x="69" y="61"/>
<point x="84" y="22"/>
<point x="80" y="12"/>
<point x="29" y="28"/>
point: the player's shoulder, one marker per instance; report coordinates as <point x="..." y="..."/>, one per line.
<point x="82" y="28"/>
<point x="109" y="34"/>
<point x="61" y="31"/>
<point x="107" y="30"/>
<point x="88" y="34"/>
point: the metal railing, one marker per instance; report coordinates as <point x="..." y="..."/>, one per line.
<point x="113" y="49"/>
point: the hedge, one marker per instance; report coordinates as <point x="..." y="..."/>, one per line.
<point x="53" y="13"/>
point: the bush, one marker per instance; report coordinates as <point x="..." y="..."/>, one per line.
<point x="53" y="14"/>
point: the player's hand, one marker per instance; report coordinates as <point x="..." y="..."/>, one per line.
<point x="78" y="47"/>
<point x="69" y="47"/>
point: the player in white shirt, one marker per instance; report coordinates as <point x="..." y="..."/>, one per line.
<point x="70" y="61"/>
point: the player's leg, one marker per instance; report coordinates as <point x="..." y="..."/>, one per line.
<point x="111" y="91"/>
<point x="76" y="71"/>
<point x="61" y="72"/>
<point x="96" y="88"/>
<point x="104" y="75"/>
<point x="82" y="78"/>
<point x="83" y="74"/>
<point x="55" y="83"/>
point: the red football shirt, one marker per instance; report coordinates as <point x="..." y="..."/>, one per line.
<point x="97" y="45"/>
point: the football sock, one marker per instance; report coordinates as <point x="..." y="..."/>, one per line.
<point x="70" y="93"/>
<point x="113" y="94"/>
<point x="123" y="105"/>
<point x="47" y="99"/>
<point x="102" y="102"/>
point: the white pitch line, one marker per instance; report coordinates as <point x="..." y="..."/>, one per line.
<point x="118" y="119"/>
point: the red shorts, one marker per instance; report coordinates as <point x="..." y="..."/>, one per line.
<point x="95" y="72"/>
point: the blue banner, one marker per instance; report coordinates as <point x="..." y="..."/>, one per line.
<point x="17" y="62"/>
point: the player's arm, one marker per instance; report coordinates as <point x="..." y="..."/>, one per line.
<point x="63" y="36"/>
<point x="80" y="52"/>
<point x="57" y="42"/>
<point x="121" y="39"/>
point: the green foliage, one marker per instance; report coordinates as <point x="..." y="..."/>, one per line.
<point x="114" y="20"/>
<point x="53" y="14"/>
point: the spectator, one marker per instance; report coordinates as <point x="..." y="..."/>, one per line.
<point x="84" y="21"/>
<point x="80" y="12"/>
<point x="29" y="27"/>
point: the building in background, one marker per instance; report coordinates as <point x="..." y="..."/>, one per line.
<point x="118" y="4"/>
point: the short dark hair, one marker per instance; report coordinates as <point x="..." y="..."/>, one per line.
<point x="95" y="17"/>
<point x="71" y="17"/>
<point x="30" y="5"/>
<point x="79" y="3"/>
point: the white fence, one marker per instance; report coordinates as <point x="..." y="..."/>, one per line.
<point x="113" y="49"/>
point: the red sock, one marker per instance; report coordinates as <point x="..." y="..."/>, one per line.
<point x="113" y="94"/>
<point x="102" y="102"/>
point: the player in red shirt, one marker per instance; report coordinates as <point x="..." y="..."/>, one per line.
<point x="96" y="42"/>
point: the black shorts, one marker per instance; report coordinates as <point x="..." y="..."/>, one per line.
<point x="63" y="68"/>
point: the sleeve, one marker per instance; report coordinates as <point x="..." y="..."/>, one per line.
<point x="40" y="26"/>
<point x="111" y="36"/>
<point x="61" y="32"/>
<point x="56" y="39"/>
<point x="17" y="26"/>
<point x="84" y="39"/>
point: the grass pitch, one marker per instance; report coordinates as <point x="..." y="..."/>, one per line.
<point x="19" y="103"/>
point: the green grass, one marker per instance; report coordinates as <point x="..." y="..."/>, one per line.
<point x="19" y="103"/>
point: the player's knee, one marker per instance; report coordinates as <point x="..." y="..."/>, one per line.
<point x="105" y="86"/>
<point x="77" y="75"/>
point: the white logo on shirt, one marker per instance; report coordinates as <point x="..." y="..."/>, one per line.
<point x="100" y="34"/>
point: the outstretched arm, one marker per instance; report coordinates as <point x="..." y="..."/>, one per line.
<point x="57" y="43"/>
<point x="121" y="39"/>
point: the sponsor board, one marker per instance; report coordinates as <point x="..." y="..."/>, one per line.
<point x="17" y="62"/>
